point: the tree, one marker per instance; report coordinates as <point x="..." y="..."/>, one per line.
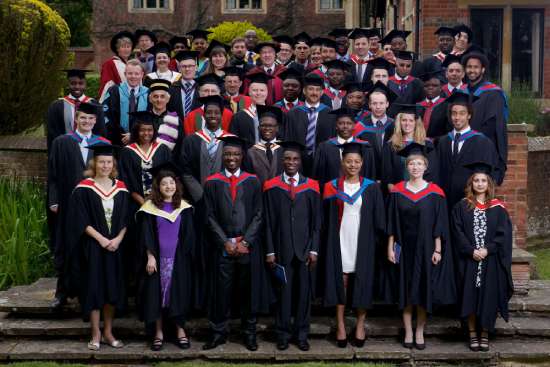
<point x="226" y="31"/>
<point x="78" y="15"/>
<point x="35" y="40"/>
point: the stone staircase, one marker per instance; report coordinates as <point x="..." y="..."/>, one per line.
<point x="30" y="331"/>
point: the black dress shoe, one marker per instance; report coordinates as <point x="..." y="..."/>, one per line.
<point x="342" y="343"/>
<point x="214" y="342"/>
<point x="359" y="343"/>
<point x="57" y="303"/>
<point x="303" y="345"/>
<point x="408" y="345"/>
<point x="282" y="344"/>
<point x="250" y="343"/>
<point x="420" y="346"/>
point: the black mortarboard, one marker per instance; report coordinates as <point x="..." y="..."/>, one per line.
<point x="271" y="111"/>
<point x="292" y="145"/>
<point x="198" y="33"/>
<point x="291" y="73"/>
<point x="464" y="28"/>
<point x="259" y="77"/>
<point x="414" y="148"/>
<point x="119" y="35"/>
<point x="233" y="71"/>
<point x="167" y="166"/>
<point x="438" y="74"/>
<point x="209" y="79"/>
<point x="327" y="42"/>
<point x="449" y="59"/>
<point x="144" y="32"/>
<point x="261" y="45"/>
<point x="394" y="33"/>
<point x="79" y="73"/>
<point x="344" y="111"/>
<point x="143" y="117"/>
<point x="216" y="44"/>
<point x="404" y="55"/>
<point x="375" y="32"/>
<point x="383" y="88"/>
<point x="339" y="32"/>
<point x="158" y="84"/>
<point x="479" y="167"/>
<point x="285" y="39"/>
<point x="179" y="39"/>
<point x="354" y="87"/>
<point x="462" y="98"/>
<point x="413" y="109"/>
<point x="215" y="100"/>
<point x="103" y="149"/>
<point x="380" y="63"/>
<point x="313" y="79"/>
<point x="352" y="147"/>
<point x="337" y="64"/>
<point x="90" y="108"/>
<point x="317" y="41"/>
<point x="233" y="141"/>
<point x="187" y="55"/>
<point x="360" y="32"/>
<point x="161" y="47"/>
<point x="302" y="37"/>
<point x="445" y="30"/>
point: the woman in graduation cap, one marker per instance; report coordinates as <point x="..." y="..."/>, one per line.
<point x="162" y="51"/>
<point x="418" y="247"/>
<point x="112" y="70"/>
<point x="99" y="214"/>
<point x="354" y="216"/>
<point x="200" y="43"/>
<point x="482" y="238"/>
<point x="218" y="58"/>
<point x="408" y="128"/>
<point x="166" y="243"/>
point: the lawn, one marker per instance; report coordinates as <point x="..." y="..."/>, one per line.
<point x="542" y="263"/>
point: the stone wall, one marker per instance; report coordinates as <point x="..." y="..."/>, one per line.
<point x="538" y="193"/>
<point x="23" y="157"/>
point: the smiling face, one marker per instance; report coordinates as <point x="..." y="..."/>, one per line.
<point x="474" y="70"/>
<point x="200" y="45"/>
<point x="355" y="100"/>
<point x="285" y="52"/>
<point x="268" y="128"/>
<point x="407" y="122"/>
<point x="313" y="93"/>
<point x="351" y="164"/>
<point x="77" y="86"/>
<point x="460" y="117"/>
<point x="416" y="166"/>
<point x="258" y="93"/>
<point x="361" y="46"/>
<point x="232" y="158"/>
<point x="145" y="134"/>
<point x="188" y="69"/>
<point x="212" y="117"/>
<point x="219" y="60"/>
<point x="103" y="166"/>
<point x="344" y="127"/>
<point x="134" y="75"/>
<point x="159" y="99"/>
<point x="292" y="160"/>
<point x="162" y="60"/>
<point x="85" y="122"/>
<point x="480" y="183"/>
<point x="267" y="56"/>
<point x="167" y="188"/>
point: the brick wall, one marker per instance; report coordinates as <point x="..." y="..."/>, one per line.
<point x="23" y="158"/>
<point x="546" y="57"/>
<point x="538" y="195"/>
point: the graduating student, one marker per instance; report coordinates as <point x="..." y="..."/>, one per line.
<point x="445" y="43"/>
<point x="121" y="100"/>
<point x="292" y="90"/>
<point x="327" y="165"/>
<point x="461" y="146"/>
<point x="378" y="70"/>
<point x="218" y="58"/>
<point x="61" y="114"/>
<point x="301" y="51"/>
<point x="178" y="44"/>
<point x="145" y="40"/>
<point x="397" y="40"/>
<point x="67" y="160"/>
<point x="199" y="43"/>
<point x="264" y="159"/>
<point x="408" y="129"/>
<point x="334" y="92"/>
<point x="356" y="100"/>
<point x="166" y="242"/>
<point x="233" y="81"/>
<point x="454" y="72"/>
<point x="342" y="43"/>
<point x="407" y="87"/>
<point x="463" y="39"/>
<point x="419" y="247"/>
<point x="354" y="216"/>
<point x="328" y="54"/>
<point x="98" y="208"/>
<point x="245" y="123"/>
<point x="184" y="93"/>
<point x="490" y="109"/>
<point x="293" y="216"/>
<point x="482" y="237"/>
<point x="432" y="104"/>
<point x="361" y="54"/>
<point x="268" y="52"/>
<point x="286" y="49"/>
<point x="312" y="123"/>
<point x="161" y="51"/>
<point x="113" y="70"/>
<point x="233" y="200"/>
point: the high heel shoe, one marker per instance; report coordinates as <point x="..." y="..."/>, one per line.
<point x="342" y="343"/>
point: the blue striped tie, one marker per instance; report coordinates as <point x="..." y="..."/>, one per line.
<point x="311" y="128"/>
<point x="187" y="87"/>
<point x="212" y="146"/>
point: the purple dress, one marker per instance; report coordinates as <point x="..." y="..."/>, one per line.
<point x="168" y="242"/>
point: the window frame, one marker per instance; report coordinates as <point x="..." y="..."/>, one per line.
<point x="320" y="10"/>
<point x="261" y="10"/>
<point x="168" y="10"/>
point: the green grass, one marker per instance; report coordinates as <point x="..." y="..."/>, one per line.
<point x="542" y="263"/>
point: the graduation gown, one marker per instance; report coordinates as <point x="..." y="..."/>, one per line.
<point x="330" y="98"/>
<point x="60" y="118"/>
<point x="429" y="107"/>
<point x="176" y="98"/>
<point x="96" y="275"/>
<point x="194" y="121"/>
<point x="243" y="125"/>
<point x="237" y="103"/>
<point x="372" y="224"/>
<point x="415" y="220"/>
<point x="274" y="86"/>
<point x="327" y="164"/>
<point x="181" y="284"/>
<point x="256" y="161"/>
<point x="112" y="73"/>
<point x="451" y="173"/>
<point x="285" y="108"/>
<point x="490" y="118"/>
<point x="410" y="91"/>
<point x="446" y="89"/>
<point x="433" y="63"/>
<point x="496" y="286"/>
<point x="367" y="130"/>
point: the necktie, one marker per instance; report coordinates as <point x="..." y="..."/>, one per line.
<point x="311" y="128"/>
<point x="212" y="146"/>
<point x="187" y="87"/>
<point x="132" y="101"/>
<point x="292" y="189"/>
<point x="269" y="71"/>
<point x="256" y="127"/>
<point x="380" y="133"/>
<point x="250" y="58"/>
<point x="289" y="105"/>
<point x="233" y="187"/>
<point x="268" y="152"/>
<point x="360" y="72"/>
<point x="455" y="145"/>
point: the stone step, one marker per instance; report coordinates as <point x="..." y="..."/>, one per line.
<point x="388" y="350"/>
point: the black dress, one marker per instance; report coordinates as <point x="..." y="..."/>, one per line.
<point x="415" y="220"/>
<point x="484" y="288"/>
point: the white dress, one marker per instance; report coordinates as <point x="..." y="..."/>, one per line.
<point x="349" y="229"/>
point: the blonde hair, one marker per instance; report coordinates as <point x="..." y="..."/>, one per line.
<point x="135" y="62"/>
<point x="91" y="170"/>
<point x="414" y="156"/>
<point x="123" y="41"/>
<point x="419" y="135"/>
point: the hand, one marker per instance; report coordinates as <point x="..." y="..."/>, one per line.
<point x="242" y="249"/>
<point x="151" y="265"/>
<point x="104" y="242"/>
<point x="391" y="255"/>
<point x="483" y="253"/>
<point x="270" y="260"/>
<point x="230" y="248"/>
<point x="436" y="258"/>
<point x="54" y="208"/>
<point x="477" y="256"/>
<point x="311" y="260"/>
<point x="125" y="138"/>
<point x="115" y="243"/>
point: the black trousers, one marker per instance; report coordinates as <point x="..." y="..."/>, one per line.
<point x="232" y="284"/>
<point x="294" y="300"/>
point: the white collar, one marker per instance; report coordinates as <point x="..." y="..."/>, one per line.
<point x="295" y="102"/>
<point x="400" y="78"/>
<point x="316" y="105"/>
<point x="83" y="136"/>
<point x="296" y="177"/>
<point x="463" y="131"/>
<point x="272" y="67"/>
<point x="81" y="98"/>
<point x="433" y="100"/>
<point x="273" y="141"/>
<point x="384" y="119"/>
<point x="216" y="133"/>
<point x="236" y="174"/>
<point x="343" y="141"/>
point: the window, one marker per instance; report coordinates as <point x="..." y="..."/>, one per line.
<point x="331" y="5"/>
<point x="243" y="5"/>
<point x="487" y="28"/>
<point x="527" y="48"/>
<point x="151" y="5"/>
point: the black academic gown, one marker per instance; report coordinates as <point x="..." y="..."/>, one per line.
<point x="439" y="122"/>
<point x="292" y="232"/>
<point x="327" y="164"/>
<point x="367" y="130"/>
<point x="496" y="286"/>
<point x="415" y="220"/>
<point x="242" y="125"/>
<point x="411" y="93"/>
<point x="96" y="275"/>
<point x="451" y="174"/>
<point x="256" y="161"/>
<point x="176" y="100"/>
<point x="372" y="224"/>
<point x="182" y="278"/>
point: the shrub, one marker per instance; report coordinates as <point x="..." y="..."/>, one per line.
<point x="24" y="252"/>
<point x="226" y="31"/>
<point x="34" y="39"/>
<point x="524" y="108"/>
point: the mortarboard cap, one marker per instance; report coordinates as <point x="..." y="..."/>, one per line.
<point x="344" y="111"/>
<point x="272" y="111"/>
<point x="158" y="84"/>
<point x="479" y="167"/>
<point x="233" y="71"/>
<point x="352" y="147"/>
<point x="337" y="64"/>
<point x="285" y="39"/>
<point x="261" y="45"/>
<point x="119" y="35"/>
<point x="103" y="149"/>
<point x="161" y="47"/>
<point x="459" y="97"/>
<point x="393" y="34"/>
<point x="90" y="108"/>
<point x="383" y="88"/>
<point x="445" y="30"/>
<point x="380" y="63"/>
<point x="209" y="79"/>
<point x="187" y="55"/>
<point x="143" y="117"/>
<point x="214" y="44"/>
<point x="145" y="32"/>
<point x="165" y="167"/>
<point x="465" y="29"/>
<point x="259" y="77"/>
<point x="360" y="32"/>
<point x="302" y="37"/>
<point x="412" y="109"/>
<point x="292" y="145"/>
<point x="414" y="148"/>
<point x="79" y="73"/>
<point x="340" y="32"/>
<point x="212" y="100"/>
<point x="198" y="33"/>
<point x="291" y="73"/>
<point x="437" y="74"/>
<point x="233" y="141"/>
<point x="179" y="39"/>
<point x="450" y="59"/>
<point x="354" y="87"/>
<point x="313" y="79"/>
<point x="404" y="55"/>
<point x="327" y="42"/>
